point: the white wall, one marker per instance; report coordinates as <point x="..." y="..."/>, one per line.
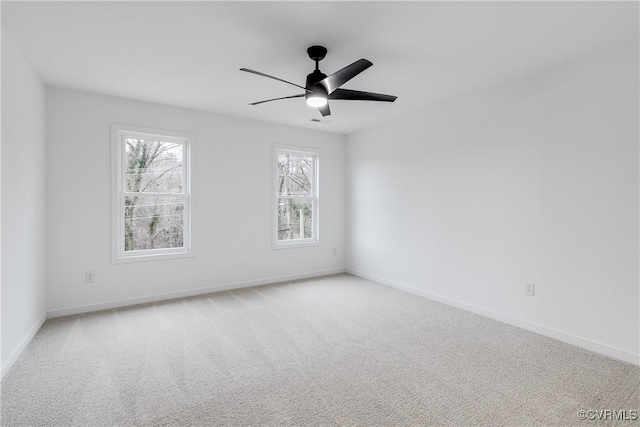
<point x="231" y="208"/>
<point x="23" y="202"/>
<point x="533" y="181"/>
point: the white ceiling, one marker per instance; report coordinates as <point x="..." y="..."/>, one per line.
<point x="188" y="54"/>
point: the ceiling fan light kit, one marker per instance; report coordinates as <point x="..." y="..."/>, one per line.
<point x="316" y="100"/>
<point x="319" y="88"/>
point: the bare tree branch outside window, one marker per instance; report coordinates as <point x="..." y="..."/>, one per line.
<point x="154" y="206"/>
<point x="295" y="196"/>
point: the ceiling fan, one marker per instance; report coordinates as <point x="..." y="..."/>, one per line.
<point x="320" y="88"/>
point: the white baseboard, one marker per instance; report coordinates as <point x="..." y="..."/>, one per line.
<point x="188" y="293"/>
<point x="596" y="347"/>
<point x="21" y="346"/>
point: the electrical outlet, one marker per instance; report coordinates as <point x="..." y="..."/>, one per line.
<point x="529" y="289"/>
<point x="89" y="277"/>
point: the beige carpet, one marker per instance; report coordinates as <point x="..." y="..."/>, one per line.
<point x="337" y="350"/>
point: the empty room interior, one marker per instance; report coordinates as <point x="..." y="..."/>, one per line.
<point x="320" y="213"/>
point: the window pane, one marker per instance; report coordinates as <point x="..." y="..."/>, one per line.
<point x="295" y="219"/>
<point x="153" y="166"/>
<point x="153" y="222"/>
<point x="295" y="175"/>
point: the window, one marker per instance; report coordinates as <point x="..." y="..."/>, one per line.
<point x="296" y="197"/>
<point x="151" y="206"/>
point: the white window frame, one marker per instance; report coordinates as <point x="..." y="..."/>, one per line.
<point x="118" y="254"/>
<point x="315" y="224"/>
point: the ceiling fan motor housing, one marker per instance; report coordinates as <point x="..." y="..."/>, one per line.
<point x="313" y="86"/>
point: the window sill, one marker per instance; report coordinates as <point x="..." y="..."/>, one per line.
<point x="151" y="257"/>
<point x="295" y="244"/>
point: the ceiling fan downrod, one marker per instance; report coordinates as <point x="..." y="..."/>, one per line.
<point x="317" y="54"/>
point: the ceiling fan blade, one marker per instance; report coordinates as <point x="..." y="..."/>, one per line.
<point x="271" y="77"/>
<point x="337" y="79"/>
<point x="361" y="96"/>
<point x="325" y="111"/>
<point x="276" y="99"/>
